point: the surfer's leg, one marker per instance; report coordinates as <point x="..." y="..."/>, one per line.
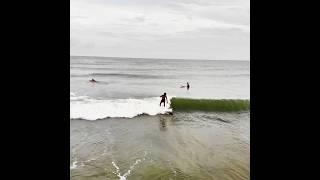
<point x="163" y="103"/>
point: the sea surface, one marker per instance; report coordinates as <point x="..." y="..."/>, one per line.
<point x="119" y="131"/>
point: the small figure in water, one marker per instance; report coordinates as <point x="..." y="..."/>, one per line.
<point x="163" y="99"/>
<point x="92" y="80"/>
<point x="188" y="86"/>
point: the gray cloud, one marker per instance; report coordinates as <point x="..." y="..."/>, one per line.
<point x="197" y="29"/>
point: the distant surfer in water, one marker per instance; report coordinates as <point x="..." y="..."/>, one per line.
<point x="92" y="80"/>
<point x="188" y="86"/>
<point x="163" y="99"/>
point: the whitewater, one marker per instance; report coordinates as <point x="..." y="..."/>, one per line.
<point x="84" y="107"/>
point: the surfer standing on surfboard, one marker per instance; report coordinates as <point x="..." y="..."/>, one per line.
<point x="163" y="99"/>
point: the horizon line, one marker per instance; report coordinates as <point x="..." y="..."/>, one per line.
<point x="158" y="58"/>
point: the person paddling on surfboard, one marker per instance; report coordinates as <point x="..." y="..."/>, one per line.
<point x="92" y="80"/>
<point x="163" y="99"/>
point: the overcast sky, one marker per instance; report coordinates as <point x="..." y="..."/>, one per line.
<point x="178" y="29"/>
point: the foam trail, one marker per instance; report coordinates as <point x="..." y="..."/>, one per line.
<point x="118" y="171"/>
<point x="131" y="168"/>
<point x="84" y="107"/>
<point x="125" y="175"/>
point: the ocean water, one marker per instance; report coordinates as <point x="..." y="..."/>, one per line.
<point x="128" y="87"/>
<point x="119" y="131"/>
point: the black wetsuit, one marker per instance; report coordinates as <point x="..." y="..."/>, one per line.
<point x="163" y="98"/>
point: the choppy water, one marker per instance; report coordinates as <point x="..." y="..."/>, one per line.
<point x="110" y="140"/>
<point x="122" y="78"/>
<point x="182" y="146"/>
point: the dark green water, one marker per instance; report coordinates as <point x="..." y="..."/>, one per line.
<point x="197" y="145"/>
<point x="221" y="105"/>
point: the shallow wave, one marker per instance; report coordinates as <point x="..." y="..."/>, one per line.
<point x="224" y="105"/>
<point x="84" y="107"/>
<point x="122" y="75"/>
<point x="127" y="75"/>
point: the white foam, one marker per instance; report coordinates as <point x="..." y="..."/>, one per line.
<point x="125" y="175"/>
<point x="88" y="108"/>
<point x="118" y="171"/>
<point x="131" y="168"/>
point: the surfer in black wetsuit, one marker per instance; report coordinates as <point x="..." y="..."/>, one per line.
<point x="92" y="80"/>
<point x="188" y="86"/>
<point x="163" y="99"/>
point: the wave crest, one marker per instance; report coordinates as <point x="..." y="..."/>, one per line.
<point x="184" y="104"/>
<point x="84" y="107"/>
